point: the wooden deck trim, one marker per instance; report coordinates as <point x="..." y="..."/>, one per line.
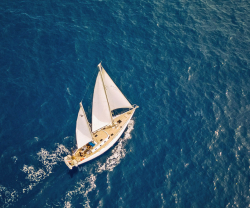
<point x="102" y="134"/>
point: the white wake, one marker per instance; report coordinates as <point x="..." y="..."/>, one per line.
<point x="85" y="186"/>
<point x="49" y="160"/>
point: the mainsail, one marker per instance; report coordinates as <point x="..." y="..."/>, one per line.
<point x="100" y="109"/>
<point x="107" y="97"/>
<point x="83" y="133"/>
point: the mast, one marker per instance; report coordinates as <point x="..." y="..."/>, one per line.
<point x="83" y="132"/>
<point x="100" y="68"/>
<point x="86" y="119"/>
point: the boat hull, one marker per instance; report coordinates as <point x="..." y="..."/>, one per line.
<point x="103" y="149"/>
<point x="114" y="140"/>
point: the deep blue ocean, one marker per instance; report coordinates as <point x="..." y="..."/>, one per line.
<point x="185" y="63"/>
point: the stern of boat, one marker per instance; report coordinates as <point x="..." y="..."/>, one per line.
<point x="70" y="162"/>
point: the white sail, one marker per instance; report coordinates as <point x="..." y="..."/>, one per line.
<point x="83" y="133"/>
<point x="115" y="97"/>
<point x="100" y="110"/>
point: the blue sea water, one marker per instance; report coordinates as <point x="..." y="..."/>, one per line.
<point x="185" y="63"/>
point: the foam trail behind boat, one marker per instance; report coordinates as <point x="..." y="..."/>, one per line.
<point x="85" y="186"/>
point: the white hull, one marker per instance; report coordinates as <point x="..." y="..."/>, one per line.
<point x="102" y="150"/>
<point x="108" y="146"/>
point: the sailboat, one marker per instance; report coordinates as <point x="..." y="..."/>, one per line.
<point x="96" y="138"/>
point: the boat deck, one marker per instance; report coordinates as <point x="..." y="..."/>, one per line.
<point x="103" y="137"/>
